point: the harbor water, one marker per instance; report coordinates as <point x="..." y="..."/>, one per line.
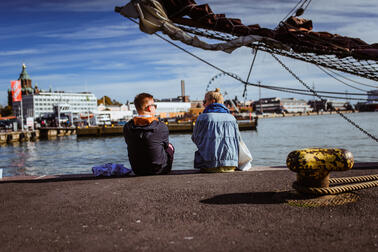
<point x="269" y="145"/>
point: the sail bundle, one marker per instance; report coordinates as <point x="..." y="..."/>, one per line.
<point x="293" y="37"/>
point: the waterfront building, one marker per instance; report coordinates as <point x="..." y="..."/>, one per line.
<point x="165" y="109"/>
<point x="197" y="104"/>
<point x="278" y="105"/>
<point x="268" y="105"/>
<point x="113" y="113"/>
<point x="373" y="96"/>
<point x="172" y="109"/>
<point x="371" y="104"/>
<point x="37" y="103"/>
<point x="329" y="105"/>
<point x="318" y="105"/>
<point x="125" y="112"/>
<point x="292" y="105"/>
<point x="337" y="105"/>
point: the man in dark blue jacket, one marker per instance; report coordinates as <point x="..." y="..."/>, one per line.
<point x="149" y="150"/>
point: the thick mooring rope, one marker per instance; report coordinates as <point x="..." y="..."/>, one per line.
<point x="341" y="188"/>
<point x="353" y="179"/>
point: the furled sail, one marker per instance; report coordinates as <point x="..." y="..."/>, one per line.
<point x="292" y="38"/>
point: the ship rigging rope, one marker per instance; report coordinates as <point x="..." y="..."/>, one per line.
<point x="354" y="81"/>
<point x="326" y="72"/>
<point x="291" y="12"/>
<point x="368" y="181"/>
<point x="294" y="90"/>
<point x="324" y="92"/>
<point x="363" y="68"/>
<point x="306" y="92"/>
<point x="244" y="82"/>
<point x="276" y="88"/>
<point x="316" y="94"/>
<point x="249" y="73"/>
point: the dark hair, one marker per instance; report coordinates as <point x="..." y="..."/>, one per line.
<point x="141" y="100"/>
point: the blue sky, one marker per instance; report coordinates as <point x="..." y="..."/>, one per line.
<point x="86" y="46"/>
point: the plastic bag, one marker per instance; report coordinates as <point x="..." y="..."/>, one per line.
<point x="245" y="157"/>
<point x="110" y="169"/>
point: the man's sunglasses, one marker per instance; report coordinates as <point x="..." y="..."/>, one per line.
<point x="155" y="105"/>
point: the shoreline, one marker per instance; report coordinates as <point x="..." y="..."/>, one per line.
<point x="274" y="115"/>
<point x="86" y="176"/>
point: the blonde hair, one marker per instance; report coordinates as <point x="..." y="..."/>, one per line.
<point x="214" y="95"/>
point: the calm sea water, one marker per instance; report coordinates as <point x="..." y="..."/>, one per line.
<point x="269" y="145"/>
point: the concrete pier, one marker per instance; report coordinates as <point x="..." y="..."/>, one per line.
<point x="18" y="136"/>
<point x="42" y="133"/>
<point x="172" y="127"/>
<point x="240" y="211"/>
<point x="51" y="132"/>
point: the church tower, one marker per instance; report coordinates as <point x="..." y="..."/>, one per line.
<point x="26" y="82"/>
<point x="26" y="85"/>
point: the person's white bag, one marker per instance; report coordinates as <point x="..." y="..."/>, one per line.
<point x="245" y="157"/>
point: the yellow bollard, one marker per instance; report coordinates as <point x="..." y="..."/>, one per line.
<point x="313" y="165"/>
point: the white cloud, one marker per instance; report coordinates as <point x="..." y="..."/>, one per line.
<point x="62" y="6"/>
<point x="20" y="52"/>
<point x="90" y="32"/>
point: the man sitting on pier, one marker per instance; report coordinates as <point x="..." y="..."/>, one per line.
<point x="149" y="150"/>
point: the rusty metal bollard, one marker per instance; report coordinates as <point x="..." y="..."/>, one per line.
<point x="313" y="165"/>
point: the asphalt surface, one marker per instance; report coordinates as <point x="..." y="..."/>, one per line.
<point x="240" y="211"/>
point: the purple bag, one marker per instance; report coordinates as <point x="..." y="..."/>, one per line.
<point x="110" y="169"/>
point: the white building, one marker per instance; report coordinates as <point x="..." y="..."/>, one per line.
<point x="113" y="113"/>
<point x="76" y="104"/>
<point x="336" y="105"/>
<point x="292" y="105"/>
<point x="166" y="107"/>
<point x="125" y="112"/>
<point x="172" y="107"/>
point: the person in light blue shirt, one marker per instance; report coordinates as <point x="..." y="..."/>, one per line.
<point x="216" y="135"/>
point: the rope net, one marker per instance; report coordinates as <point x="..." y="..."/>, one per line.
<point x="364" y="68"/>
<point x="293" y="38"/>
